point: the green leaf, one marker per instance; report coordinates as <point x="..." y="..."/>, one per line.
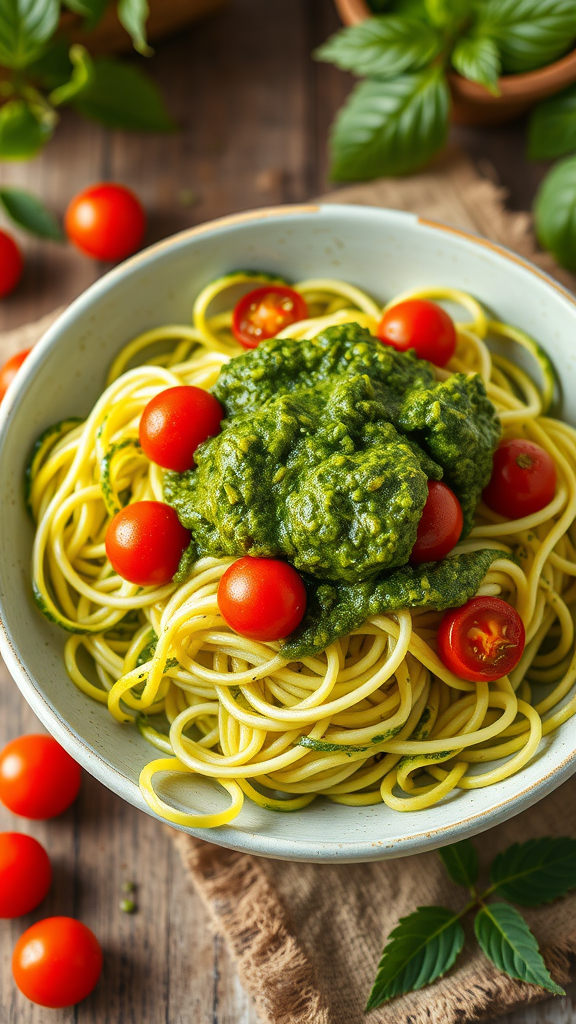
<point x="528" y="33"/>
<point x="28" y="212"/>
<point x="536" y="872"/>
<point x="552" y="126"/>
<point x="461" y="862"/>
<point x="82" y="74"/>
<point x="448" y="13"/>
<point x="555" y="212"/>
<point x="507" y="941"/>
<point x="53" y="67"/>
<point x="390" y="127"/>
<point x="133" y="15"/>
<point x="21" y="134"/>
<point x="383" y="47"/>
<point x="477" y="58"/>
<point x="121" y="96"/>
<point x="25" y="26"/>
<point x="91" y="10"/>
<point x="377" y="6"/>
<point x="422" y="947"/>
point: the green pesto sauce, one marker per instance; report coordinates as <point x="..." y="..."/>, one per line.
<point x="335" y="609"/>
<point x="324" y="458"/>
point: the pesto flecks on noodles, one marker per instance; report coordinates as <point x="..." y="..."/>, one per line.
<point x="329" y="457"/>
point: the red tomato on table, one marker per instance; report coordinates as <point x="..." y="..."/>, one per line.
<point x="11" y="264"/>
<point x="422" y="325"/>
<point x="440" y="524"/>
<point x="106" y="222"/>
<point x="481" y="641"/>
<point x="266" y="311"/>
<point x="25" y="874"/>
<point x="38" y="779"/>
<point x="10" y="369"/>
<point x="57" y="962"/>
<point x="175" y="422"/>
<point x="523" y="479"/>
<point x="145" y="542"/>
<point x="262" y="598"/>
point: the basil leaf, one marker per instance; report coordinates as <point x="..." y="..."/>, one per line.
<point x="555" y="212"/>
<point x="529" y="33"/>
<point x="25" y="25"/>
<point x="552" y="126"/>
<point x="505" y="938"/>
<point x="28" y="212"/>
<point x="53" y="67"/>
<point x="448" y="13"/>
<point x="133" y="15"/>
<point x="383" y="47"/>
<point x="91" y="10"/>
<point x="536" y="872"/>
<point x="422" y="947"/>
<point x="477" y="58"/>
<point x="82" y="74"/>
<point x="121" y="96"/>
<point x="21" y="134"/>
<point x="390" y="127"/>
<point x="461" y="862"/>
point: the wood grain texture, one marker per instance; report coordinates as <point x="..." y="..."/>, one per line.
<point x="254" y="111"/>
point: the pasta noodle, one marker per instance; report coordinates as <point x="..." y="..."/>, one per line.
<point x="376" y="716"/>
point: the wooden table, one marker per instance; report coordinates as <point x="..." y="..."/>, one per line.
<point x="254" y="111"/>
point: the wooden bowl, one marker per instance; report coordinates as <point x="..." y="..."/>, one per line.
<point x="472" y="103"/>
<point x="166" y="17"/>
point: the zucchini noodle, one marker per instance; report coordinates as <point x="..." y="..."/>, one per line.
<point x="376" y="717"/>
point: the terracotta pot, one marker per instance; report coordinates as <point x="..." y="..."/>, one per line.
<point x="472" y="103"/>
<point x="166" y="16"/>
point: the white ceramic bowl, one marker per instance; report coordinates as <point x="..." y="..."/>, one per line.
<point x="382" y="251"/>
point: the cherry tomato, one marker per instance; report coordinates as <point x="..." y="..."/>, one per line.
<point x="262" y="598"/>
<point x="175" y="422"/>
<point x="10" y="369"/>
<point x="25" y="874"/>
<point x="106" y="222"/>
<point x="11" y="264"/>
<point x="440" y="525"/>
<point x="481" y="641"/>
<point x="266" y="311"/>
<point x="57" y="962"/>
<point x="421" y="325"/>
<point x="145" y="542"/>
<point x="38" y="779"/>
<point x="523" y="479"/>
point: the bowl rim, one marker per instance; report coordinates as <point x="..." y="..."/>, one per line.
<point x="244" y="840"/>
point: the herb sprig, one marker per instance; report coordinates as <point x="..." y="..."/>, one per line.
<point x="397" y="119"/>
<point x="40" y="73"/>
<point x="425" y="944"/>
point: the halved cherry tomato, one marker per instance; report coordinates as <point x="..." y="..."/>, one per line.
<point x="523" y="479"/>
<point x="440" y="525"/>
<point x="25" y="874"/>
<point x="422" y="325"/>
<point x="266" y="311"/>
<point x="11" y="264"/>
<point x="10" y="369"/>
<point x="481" y="641"/>
<point x="145" y="542"/>
<point x="262" y="598"/>
<point x="38" y="779"/>
<point x="106" y="222"/>
<point x="57" y="962"/>
<point x="175" y="422"/>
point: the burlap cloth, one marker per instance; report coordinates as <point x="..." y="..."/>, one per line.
<point x="306" y="939"/>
